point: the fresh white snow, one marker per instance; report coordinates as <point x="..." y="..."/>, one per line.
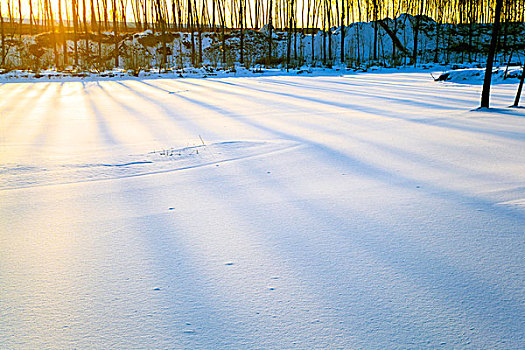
<point x="368" y="211"/>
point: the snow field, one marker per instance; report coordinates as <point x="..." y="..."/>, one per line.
<point x="365" y="211"/>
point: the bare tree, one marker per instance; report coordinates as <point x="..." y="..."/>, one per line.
<point x="416" y="27"/>
<point x="485" y="94"/>
<point x="298" y="24"/>
<point x="270" y="31"/>
<point x="62" y="34"/>
<point x="241" y="19"/>
<point x="30" y="17"/>
<point x="520" y="88"/>
<point x="53" y="34"/>
<point x="75" y="30"/>
<point x="2" y="36"/>
<point x="115" y="32"/>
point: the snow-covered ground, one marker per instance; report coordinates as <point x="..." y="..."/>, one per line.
<point x="500" y="75"/>
<point x="372" y="211"/>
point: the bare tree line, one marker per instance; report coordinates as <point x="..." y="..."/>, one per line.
<point x="78" y="31"/>
<point x="33" y="16"/>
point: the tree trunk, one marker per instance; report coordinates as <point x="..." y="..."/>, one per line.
<point x="223" y="42"/>
<point x="396" y="43"/>
<point x="295" y="39"/>
<point x="329" y="26"/>
<point x="62" y="34"/>
<point x="330" y="46"/>
<point x="199" y="33"/>
<point x="99" y="31"/>
<point x="162" y="64"/>
<point x="54" y="36"/>
<point x="30" y="18"/>
<point x="106" y="17"/>
<point x="270" y="31"/>
<point x="289" y="36"/>
<point x="485" y="94"/>
<point x="213" y="16"/>
<point x="416" y="33"/>
<point x="192" y="33"/>
<point x="20" y="18"/>
<point x="87" y="53"/>
<point x="115" y="33"/>
<point x="342" y="31"/>
<point x="75" y="30"/>
<point x="436" y="51"/>
<point x="241" y="20"/>
<point x="508" y="64"/>
<point x="520" y="88"/>
<point x="376" y="31"/>
<point x="313" y="46"/>
<point x="2" y="35"/>
<point x="324" y="47"/>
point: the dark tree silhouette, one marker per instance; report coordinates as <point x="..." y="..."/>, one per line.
<point x="485" y="94"/>
<point x="520" y="88"/>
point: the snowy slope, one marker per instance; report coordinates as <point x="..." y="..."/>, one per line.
<point x="366" y="211"/>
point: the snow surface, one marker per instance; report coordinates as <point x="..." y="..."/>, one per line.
<point x="500" y="75"/>
<point x="202" y="72"/>
<point x="375" y="211"/>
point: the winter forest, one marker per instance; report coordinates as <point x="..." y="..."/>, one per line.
<point x="134" y="35"/>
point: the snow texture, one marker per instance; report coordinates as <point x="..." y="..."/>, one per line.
<point x="367" y="211"/>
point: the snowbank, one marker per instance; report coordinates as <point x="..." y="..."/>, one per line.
<point x="501" y="75"/>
